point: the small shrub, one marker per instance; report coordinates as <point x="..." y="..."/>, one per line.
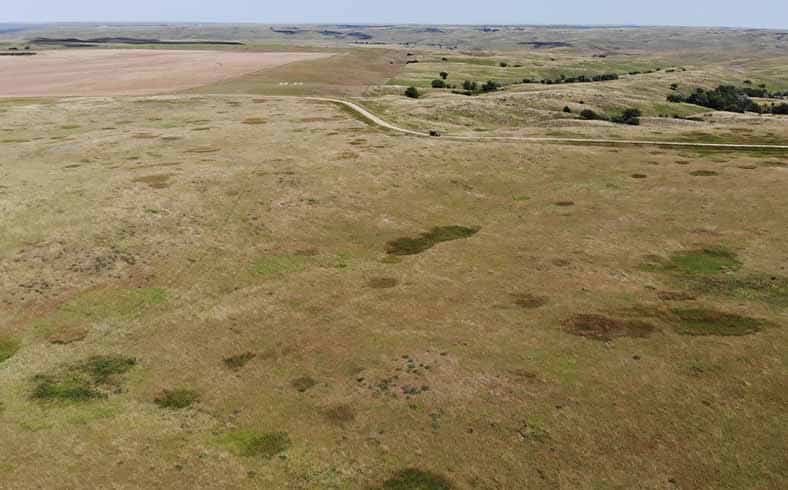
<point x="177" y="399"/>
<point x="444" y="75"/>
<point x="438" y="83"/>
<point x="503" y="64"/>
<point x="412" y="92"/>
<point x="567" y="109"/>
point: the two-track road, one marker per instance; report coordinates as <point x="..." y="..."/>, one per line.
<point x="378" y="121"/>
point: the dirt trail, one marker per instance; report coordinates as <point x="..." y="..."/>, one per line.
<point x="384" y="124"/>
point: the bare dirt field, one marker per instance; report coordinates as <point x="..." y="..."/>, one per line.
<point x="129" y="72"/>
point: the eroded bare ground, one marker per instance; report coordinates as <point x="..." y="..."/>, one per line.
<point x="211" y="289"/>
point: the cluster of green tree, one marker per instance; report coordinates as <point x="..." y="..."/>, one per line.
<point x="762" y="92"/>
<point x="724" y="98"/>
<point x="781" y="109"/>
<point x="629" y="116"/>
<point x="475" y="88"/>
<point x="577" y="79"/>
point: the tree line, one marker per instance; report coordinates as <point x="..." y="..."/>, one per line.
<point x="730" y="98"/>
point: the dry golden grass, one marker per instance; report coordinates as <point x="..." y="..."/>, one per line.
<point x="255" y="277"/>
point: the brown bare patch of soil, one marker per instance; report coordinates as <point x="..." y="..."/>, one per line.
<point x="675" y="296"/>
<point x="68" y="336"/>
<point x="303" y="384"/>
<point x="340" y="414"/>
<point x="158" y="181"/>
<point x="529" y="301"/>
<point x="600" y="327"/>
<point x="382" y="283"/>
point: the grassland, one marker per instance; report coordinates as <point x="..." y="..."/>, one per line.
<point x="222" y="290"/>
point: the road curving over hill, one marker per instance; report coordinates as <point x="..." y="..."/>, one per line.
<point x="378" y="121"/>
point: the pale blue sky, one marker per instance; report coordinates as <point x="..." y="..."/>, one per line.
<point x="735" y="13"/>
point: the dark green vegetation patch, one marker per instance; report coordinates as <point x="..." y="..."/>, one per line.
<point x="251" y="444"/>
<point x="710" y="271"/>
<point x="94" y="378"/>
<point x="177" y="399"/>
<point x="709" y="322"/>
<point x="415" y="479"/>
<point x="425" y="241"/>
<point x="8" y="348"/>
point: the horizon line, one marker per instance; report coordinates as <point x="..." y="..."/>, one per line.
<point x="383" y="24"/>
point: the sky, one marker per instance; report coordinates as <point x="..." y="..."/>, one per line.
<point x="732" y="13"/>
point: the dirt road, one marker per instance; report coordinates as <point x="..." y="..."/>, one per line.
<point x="384" y="124"/>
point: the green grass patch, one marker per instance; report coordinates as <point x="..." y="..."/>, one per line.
<point x="103" y="305"/>
<point x="765" y="288"/>
<point x="94" y="378"/>
<point x="425" y="241"/>
<point x="416" y="479"/>
<point x="252" y="444"/>
<point x="102" y="368"/>
<point x="707" y="261"/>
<point x="177" y="399"/>
<point x="702" y="322"/>
<point x="277" y="265"/>
<point x="8" y="347"/>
